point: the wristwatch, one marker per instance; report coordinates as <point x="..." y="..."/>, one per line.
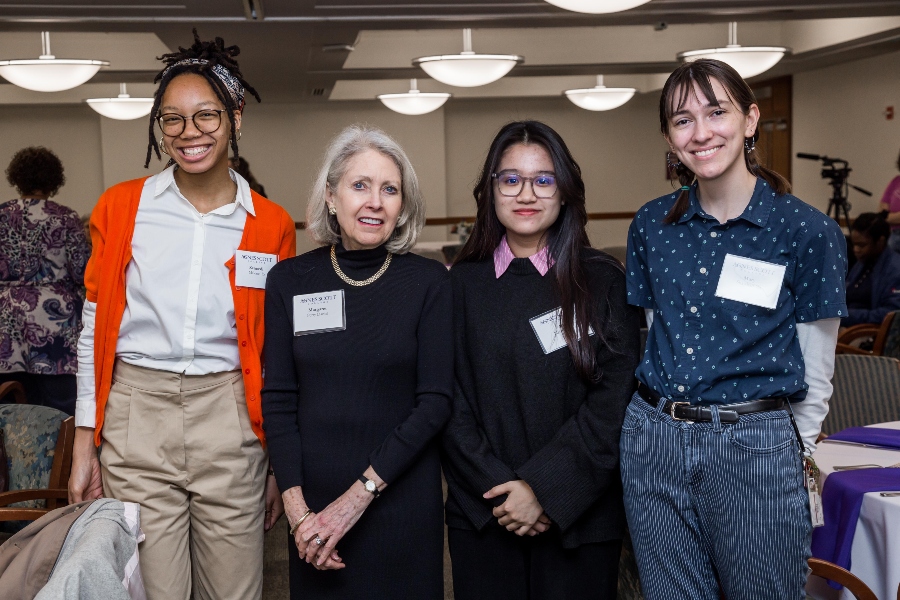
<point x="370" y="485"/>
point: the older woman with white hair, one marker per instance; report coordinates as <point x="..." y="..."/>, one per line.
<point x="358" y="381"/>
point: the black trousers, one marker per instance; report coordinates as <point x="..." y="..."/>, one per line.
<point x="495" y="564"/>
<point x="55" y="391"/>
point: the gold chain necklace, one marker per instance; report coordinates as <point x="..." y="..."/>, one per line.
<point x="372" y="279"/>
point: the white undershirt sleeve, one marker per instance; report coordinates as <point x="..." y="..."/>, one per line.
<point x="817" y="343"/>
<point x="86" y="401"/>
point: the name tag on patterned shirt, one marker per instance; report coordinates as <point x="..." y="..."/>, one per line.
<point x="318" y="313"/>
<point x="548" y="329"/>
<point x="752" y="281"/>
<point x="251" y="268"/>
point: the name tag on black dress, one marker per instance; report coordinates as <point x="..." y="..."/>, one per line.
<point x="548" y="329"/>
<point x="318" y="313"/>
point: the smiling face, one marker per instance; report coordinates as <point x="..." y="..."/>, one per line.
<point x="193" y="150"/>
<point x="368" y="199"/>
<point x="526" y="216"/>
<point x="709" y="139"/>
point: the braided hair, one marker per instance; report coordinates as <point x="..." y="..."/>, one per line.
<point x="200" y="58"/>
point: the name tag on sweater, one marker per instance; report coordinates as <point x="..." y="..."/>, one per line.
<point x="251" y="268"/>
<point x="548" y="329"/>
<point x="318" y="313"/>
<point x="752" y="281"/>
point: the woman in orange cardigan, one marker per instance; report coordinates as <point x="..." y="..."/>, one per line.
<point x="169" y="373"/>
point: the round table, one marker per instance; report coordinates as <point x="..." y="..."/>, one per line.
<point x="875" y="554"/>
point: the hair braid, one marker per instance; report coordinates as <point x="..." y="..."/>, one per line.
<point x="214" y="52"/>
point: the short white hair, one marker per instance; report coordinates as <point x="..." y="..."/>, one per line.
<point x="347" y="144"/>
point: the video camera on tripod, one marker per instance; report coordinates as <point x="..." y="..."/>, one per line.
<point x="836" y="171"/>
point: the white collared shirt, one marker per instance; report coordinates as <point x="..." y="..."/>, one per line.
<point x="179" y="311"/>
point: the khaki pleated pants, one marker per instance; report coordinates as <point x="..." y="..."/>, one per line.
<point x="181" y="446"/>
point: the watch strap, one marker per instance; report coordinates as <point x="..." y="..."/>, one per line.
<point x="365" y="481"/>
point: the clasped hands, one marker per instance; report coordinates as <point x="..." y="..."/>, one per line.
<point x="521" y="512"/>
<point x="329" y="525"/>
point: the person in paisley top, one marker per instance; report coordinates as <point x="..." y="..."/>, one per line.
<point x="43" y="253"/>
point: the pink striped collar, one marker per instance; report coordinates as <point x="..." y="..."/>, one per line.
<point x="503" y="256"/>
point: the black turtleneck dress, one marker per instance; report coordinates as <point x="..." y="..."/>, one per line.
<point x="377" y="393"/>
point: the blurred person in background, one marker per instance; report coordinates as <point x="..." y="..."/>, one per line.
<point x="873" y="284"/>
<point x="43" y="253"/>
<point x="890" y="202"/>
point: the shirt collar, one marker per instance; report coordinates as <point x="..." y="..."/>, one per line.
<point x="757" y="212"/>
<point x="166" y="179"/>
<point x="503" y="257"/>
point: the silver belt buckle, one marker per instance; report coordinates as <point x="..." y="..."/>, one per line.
<point x="675" y="405"/>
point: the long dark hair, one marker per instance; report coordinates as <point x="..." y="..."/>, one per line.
<point x="675" y="93"/>
<point x="214" y="53"/>
<point x="565" y="239"/>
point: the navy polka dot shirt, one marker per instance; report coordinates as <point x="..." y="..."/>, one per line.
<point x="706" y="349"/>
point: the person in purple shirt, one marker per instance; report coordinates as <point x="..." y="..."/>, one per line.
<point x="890" y="202"/>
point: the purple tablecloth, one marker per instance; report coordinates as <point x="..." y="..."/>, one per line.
<point x="842" y="498"/>
<point x="875" y="436"/>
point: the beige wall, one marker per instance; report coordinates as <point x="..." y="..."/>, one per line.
<point x="838" y="113"/>
<point x="72" y="132"/>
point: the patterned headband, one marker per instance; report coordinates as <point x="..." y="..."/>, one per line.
<point x="234" y="87"/>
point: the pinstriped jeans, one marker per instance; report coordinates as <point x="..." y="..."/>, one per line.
<point x="713" y="503"/>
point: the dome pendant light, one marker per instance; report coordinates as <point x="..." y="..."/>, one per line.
<point x="597" y="7"/>
<point x="122" y="108"/>
<point x="468" y="69"/>
<point x="600" y="97"/>
<point x="48" y="73"/>
<point x="414" y="102"/>
<point x="748" y="61"/>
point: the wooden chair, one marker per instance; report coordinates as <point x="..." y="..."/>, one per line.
<point x="885" y="337"/>
<point x="27" y="450"/>
<point x="827" y="570"/>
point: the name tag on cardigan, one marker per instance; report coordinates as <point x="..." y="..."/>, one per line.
<point x="251" y="268"/>
<point x="548" y="329"/>
<point x="752" y="281"/>
<point x="318" y="313"/>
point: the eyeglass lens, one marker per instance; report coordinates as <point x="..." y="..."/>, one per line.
<point x="511" y="184"/>
<point x="206" y="121"/>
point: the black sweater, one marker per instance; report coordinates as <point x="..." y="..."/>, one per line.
<point x="521" y="414"/>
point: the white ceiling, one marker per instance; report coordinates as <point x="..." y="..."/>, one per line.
<point x="292" y="49"/>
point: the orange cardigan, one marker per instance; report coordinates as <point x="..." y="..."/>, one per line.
<point x="112" y="225"/>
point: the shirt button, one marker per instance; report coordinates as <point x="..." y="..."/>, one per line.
<point x="693" y="309"/>
<point x="690" y="350"/>
<point x="244" y="343"/>
<point x="680" y="388"/>
<point x="247" y="371"/>
<point x="241" y="317"/>
<point x="713" y="234"/>
<point x="703" y="270"/>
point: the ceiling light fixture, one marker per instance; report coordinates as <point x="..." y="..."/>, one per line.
<point x="600" y="97"/>
<point x="48" y="73"/>
<point x="414" y="102"/>
<point x="748" y="61"/>
<point x="597" y="7"/>
<point x="468" y="69"/>
<point x="122" y="108"/>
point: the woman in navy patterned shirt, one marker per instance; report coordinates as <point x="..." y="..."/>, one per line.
<point x="743" y="288"/>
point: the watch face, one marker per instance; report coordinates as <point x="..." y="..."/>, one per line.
<point x="370" y="486"/>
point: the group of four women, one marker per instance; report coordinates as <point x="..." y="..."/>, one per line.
<point x="360" y="369"/>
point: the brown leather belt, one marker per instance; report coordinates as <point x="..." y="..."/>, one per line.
<point x="728" y="413"/>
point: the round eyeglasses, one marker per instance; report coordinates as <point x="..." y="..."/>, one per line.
<point x="511" y="184"/>
<point x="207" y="120"/>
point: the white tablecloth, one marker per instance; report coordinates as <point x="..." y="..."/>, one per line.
<point x="875" y="554"/>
